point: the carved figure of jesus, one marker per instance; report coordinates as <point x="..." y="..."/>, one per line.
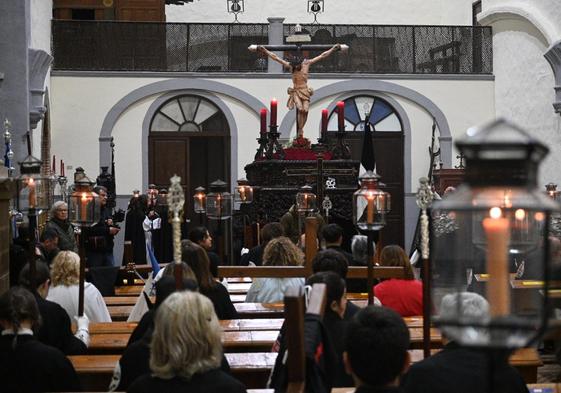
<point x="299" y="94"/>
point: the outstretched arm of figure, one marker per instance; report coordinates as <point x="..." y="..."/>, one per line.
<point x="325" y="54"/>
<point x="273" y="56"/>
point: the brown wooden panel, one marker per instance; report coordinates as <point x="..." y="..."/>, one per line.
<point x="168" y="156"/>
<point x="140" y="10"/>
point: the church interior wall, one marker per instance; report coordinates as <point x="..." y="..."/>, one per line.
<point x="429" y="12"/>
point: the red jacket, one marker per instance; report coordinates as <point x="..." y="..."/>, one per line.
<point x="403" y="296"/>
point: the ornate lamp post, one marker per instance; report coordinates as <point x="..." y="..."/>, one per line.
<point x="83" y="212"/>
<point x="498" y="215"/>
<point x="219" y="207"/>
<point x="370" y="206"/>
<point x="199" y="203"/>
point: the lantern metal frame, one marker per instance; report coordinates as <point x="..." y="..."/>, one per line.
<point x="219" y="201"/>
<point x="501" y="181"/>
<point x="84" y="209"/>
<point x="371" y="203"/>
<point x="244" y="192"/>
<point x="306" y="200"/>
<point x="33" y="188"/>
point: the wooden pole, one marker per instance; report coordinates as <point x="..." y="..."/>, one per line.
<point x="294" y="315"/>
<point x="311" y="245"/>
<point x="370" y="267"/>
<point x="81" y="250"/>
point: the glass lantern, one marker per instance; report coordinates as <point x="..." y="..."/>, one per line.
<point x="83" y="204"/>
<point x="370" y="203"/>
<point x="244" y="192"/>
<point x="494" y="228"/>
<point x="199" y="200"/>
<point x="305" y="200"/>
<point x="34" y="190"/>
<point x="219" y="201"/>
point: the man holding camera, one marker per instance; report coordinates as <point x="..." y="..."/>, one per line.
<point x="99" y="238"/>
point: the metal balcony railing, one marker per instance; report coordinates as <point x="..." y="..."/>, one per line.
<point x="204" y="47"/>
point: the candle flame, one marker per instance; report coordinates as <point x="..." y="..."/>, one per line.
<point x="539" y="216"/>
<point x="519" y="214"/>
<point x="84" y="196"/>
<point x="30" y="181"/>
<point x="495" y="212"/>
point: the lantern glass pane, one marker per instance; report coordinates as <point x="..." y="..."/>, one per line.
<point x="305" y="202"/>
<point x="491" y="242"/>
<point x="35" y="192"/>
<point x="244" y="194"/>
<point x="199" y="201"/>
<point x="84" y="208"/>
<point x="219" y="206"/>
<point x="370" y="207"/>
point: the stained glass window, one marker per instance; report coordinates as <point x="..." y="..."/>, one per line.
<point x="380" y="114"/>
<point x="188" y="113"/>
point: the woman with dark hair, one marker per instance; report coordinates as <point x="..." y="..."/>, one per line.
<point x="196" y="257"/>
<point x="27" y="365"/>
<point x="405" y="296"/>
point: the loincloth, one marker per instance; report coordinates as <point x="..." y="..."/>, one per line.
<point x="304" y="93"/>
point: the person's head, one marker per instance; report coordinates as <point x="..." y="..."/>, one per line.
<point x="271" y="231"/>
<point x="201" y="236"/>
<point x="471" y="306"/>
<point x="18" y="309"/>
<point x="187" y="337"/>
<point x="166" y="286"/>
<point x="330" y="261"/>
<point x="196" y="257"/>
<point x="394" y="255"/>
<point x="41" y="280"/>
<point x="65" y="269"/>
<point x="359" y="248"/>
<point x="376" y="344"/>
<point x="102" y="192"/>
<point x="186" y="272"/>
<point x="332" y="234"/>
<point x="336" y="299"/>
<point x="296" y="62"/>
<point x="49" y="239"/>
<point x="282" y="252"/>
<point x="59" y="210"/>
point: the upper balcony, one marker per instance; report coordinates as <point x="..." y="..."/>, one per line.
<point x="206" y="47"/>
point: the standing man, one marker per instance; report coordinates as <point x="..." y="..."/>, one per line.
<point x="99" y="238"/>
<point x="299" y="94"/>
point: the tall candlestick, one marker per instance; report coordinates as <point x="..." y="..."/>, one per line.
<point x="54" y="164"/>
<point x="341" y="115"/>
<point x="370" y="209"/>
<point x="324" y="114"/>
<point x="497" y="232"/>
<point x="32" y="196"/>
<point x="274" y="112"/>
<point x="263" y="121"/>
<point x="61" y="168"/>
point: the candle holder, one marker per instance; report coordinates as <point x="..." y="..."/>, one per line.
<point x="263" y="141"/>
<point x="341" y="150"/>
<point x="273" y="145"/>
<point x="494" y="223"/>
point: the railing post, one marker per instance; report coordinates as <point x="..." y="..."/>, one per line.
<point x="276" y="37"/>
<point x="187" y="47"/>
<point x="414" y="51"/>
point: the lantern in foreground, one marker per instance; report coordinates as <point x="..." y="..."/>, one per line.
<point x="83" y="204"/>
<point x="305" y="200"/>
<point x="495" y="225"/>
<point x="32" y="188"/>
<point x="219" y="201"/>
<point x="244" y="192"/>
<point x="370" y="203"/>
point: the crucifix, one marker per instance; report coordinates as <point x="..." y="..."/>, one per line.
<point x="299" y="94"/>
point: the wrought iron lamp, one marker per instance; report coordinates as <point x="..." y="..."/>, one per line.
<point x="305" y="200"/>
<point x="370" y="207"/>
<point x="315" y="7"/>
<point x="199" y="203"/>
<point x="32" y="187"/>
<point x="235" y="7"/>
<point x="218" y="201"/>
<point x="244" y="192"/>
<point x="498" y="216"/>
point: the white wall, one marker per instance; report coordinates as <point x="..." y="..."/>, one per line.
<point x="399" y="12"/>
<point x="80" y="104"/>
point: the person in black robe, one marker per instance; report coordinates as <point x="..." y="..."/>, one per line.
<point x="162" y="239"/>
<point x="27" y="365"/>
<point x="461" y="369"/>
<point x="55" y="329"/>
<point x="134" y="232"/>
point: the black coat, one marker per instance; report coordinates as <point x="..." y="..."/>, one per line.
<point x="135" y="234"/>
<point x="336" y="328"/>
<point x="220" y="298"/>
<point x="354" y="285"/>
<point x="98" y="237"/>
<point x="34" y="367"/>
<point x="461" y="370"/>
<point x="55" y="328"/>
<point x="207" y="382"/>
<point x="254" y="255"/>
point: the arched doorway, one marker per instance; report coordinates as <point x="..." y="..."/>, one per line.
<point x="388" y="141"/>
<point x="189" y="136"/>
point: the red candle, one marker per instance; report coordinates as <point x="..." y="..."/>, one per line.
<point x="54" y="164"/>
<point x="61" y="168"/>
<point x="263" y="120"/>
<point x="324" y="121"/>
<point x="341" y="115"/>
<point x="274" y="112"/>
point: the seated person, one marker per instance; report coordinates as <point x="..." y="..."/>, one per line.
<point x="377" y="343"/>
<point x="197" y="259"/>
<point x="335" y="305"/>
<point x="65" y="277"/>
<point x="442" y="371"/>
<point x="55" y="329"/>
<point x="27" y="365"/>
<point x="359" y="248"/>
<point x="270" y="231"/>
<point x="201" y="237"/>
<point x="47" y="248"/>
<point x="186" y="349"/>
<point x="402" y="295"/>
<point x="279" y="252"/>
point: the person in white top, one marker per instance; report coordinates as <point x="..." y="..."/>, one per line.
<point x="278" y="252"/>
<point x="65" y="274"/>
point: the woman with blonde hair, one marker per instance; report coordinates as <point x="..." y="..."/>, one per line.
<point x="405" y="296"/>
<point x="65" y="278"/>
<point x="280" y="251"/>
<point x="59" y="223"/>
<point x="186" y="349"/>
